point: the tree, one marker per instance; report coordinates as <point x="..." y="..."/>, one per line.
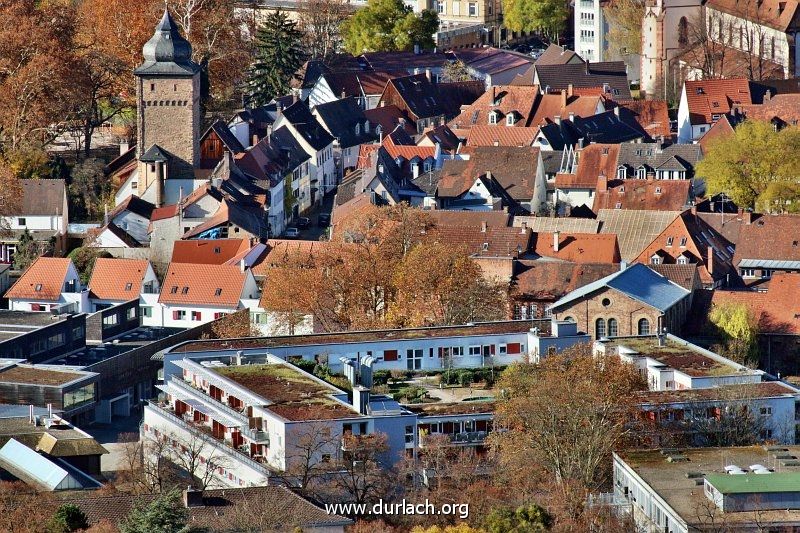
<point x="526" y="519"/>
<point x="739" y="328"/>
<point x="67" y="518"/>
<point x="746" y="163"/>
<point x="235" y="325"/>
<point x="363" y="476"/>
<point x="10" y="196"/>
<point x="197" y="458"/>
<point x="89" y="189"/>
<point x="625" y="26"/>
<point x="165" y="514"/>
<point x="321" y="23"/>
<point x="565" y="416"/>
<point x="21" y="509"/>
<point x="389" y="25"/>
<point x="456" y="71"/>
<point x="547" y="16"/>
<point x="28" y="250"/>
<point x="306" y="463"/>
<point x="278" y="56"/>
<point x="460" y="528"/>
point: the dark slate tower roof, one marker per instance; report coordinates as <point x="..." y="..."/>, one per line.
<point x="167" y="53"/>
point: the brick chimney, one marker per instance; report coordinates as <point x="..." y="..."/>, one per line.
<point x="556" y="240"/>
<point x="747" y="217"/>
<point x="570" y="90"/>
<point x="602" y="183"/>
<point x="563" y="98"/>
<point x="483" y="226"/>
<point x="710" y="260"/>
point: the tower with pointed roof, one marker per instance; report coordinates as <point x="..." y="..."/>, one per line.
<point x="168" y="115"/>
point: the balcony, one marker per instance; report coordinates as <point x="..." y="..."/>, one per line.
<point x="255" y="435"/>
<point x="467" y="438"/>
<point x="190" y="389"/>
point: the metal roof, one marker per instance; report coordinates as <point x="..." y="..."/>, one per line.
<point x="25" y="463"/>
<point x="638" y="282"/>
<point x="769" y="263"/>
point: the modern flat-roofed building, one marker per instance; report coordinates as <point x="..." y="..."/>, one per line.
<point x="753" y="488"/>
<point x="68" y="390"/>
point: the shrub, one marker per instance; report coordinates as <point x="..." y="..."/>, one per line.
<point x="380" y="377"/>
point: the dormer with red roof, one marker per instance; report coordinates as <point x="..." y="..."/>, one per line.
<point x="704" y="102"/>
<point x="49" y="284"/>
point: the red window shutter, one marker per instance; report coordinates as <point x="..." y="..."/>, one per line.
<point x="513" y="347"/>
<point x="491" y="349"/>
<point x="441" y="351"/>
<point x="390" y="355"/>
<point x="175" y="315"/>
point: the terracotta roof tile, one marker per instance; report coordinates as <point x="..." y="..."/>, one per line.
<point x="470" y="218"/>
<point x="777" y="310"/>
<point x="208" y="251"/>
<point x="210" y="285"/>
<point x="495" y="241"/>
<point x="117" y="278"/>
<point x="550" y="280"/>
<point x="500" y="136"/>
<point x="715" y="97"/>
<point x="652" y="116"/>
<point x="775" y="237"/>
<point x="388" y="117"/>
<point x="577" y="247"/>
<point x="43" y="280"/>
<point x="784" y="108"/>
<point x="513" y="167"/>
<point x="683" y="275"/>
<point x="775" y="14"/>
<point x="650" y="194"/>
<point x="561" y="105"/>
<point x="593" y="161"/>
<point x="504" y="99"/>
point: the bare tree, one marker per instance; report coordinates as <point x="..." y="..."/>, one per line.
<point x="196" y="457"/>
<point x="363" y="476"/>
<point x="308" y="459"/>
<point x="320" y="21"/>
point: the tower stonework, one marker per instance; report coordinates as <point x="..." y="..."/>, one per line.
<point x="168" y="106"/>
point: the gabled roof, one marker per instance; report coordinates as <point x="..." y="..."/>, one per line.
<point x="577" y="247"/>
<point x="208" y="251"/>
<point x="777" y="310"/>
<point x="769" y="238"/>
<point x="245" y="214"/>
<point x="558" y="55"/>
<point x="225" y="135"/>
<point x="342" y="117"/>
<point x="781" y="109"/>
<point x="135" y="205"/>
<point x="771" y="13"/>
<point x="715" y="97"/>
<point x="550" y="280"/>
<point x="426" y="99"/>
<point x="359" y="83"/>
<point x="557" y="77"/>
<point x="441" y="135"/>
<point x="208" y="285"/>
<point x="307" y="125"/>
<point x="658" y="156"/>
<point x="501" y="136"/>
<point x="388" y="117"/>
<point x="683" y="275"/>
<point x="491" y="241"/>
<point x="635" y="229"/>
<point x="514" y="168"/>
<point x="42" y="197"/>
<point x="562" y="224"/>
<point x="470" y="218"/>
<point x="594" y="160"/>
<point x="637" y="282"/>
<point x="501" y="99"/>
<point x="647" y="194"/>
<point x="652" y="116"/>
<point x="117" y="278"/>
<point x="490" y="60"/>
<point x="43" y="280"/>
<point x="608" y="127"/>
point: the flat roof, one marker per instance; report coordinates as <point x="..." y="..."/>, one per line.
<point x="94" y="352"/>
<point x="744" y="391"/>
<point x="672" y="481"/>
<point x="452" y="408"/>
<point x="34" y="375"/>
<point x="16" y="323"/>
<point x="755" y="483"/>
<point x="681" y="356"/>
<point x="467" y="330"/>
<point x="294" y="394"/>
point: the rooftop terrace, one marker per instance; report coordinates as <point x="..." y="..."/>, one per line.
<point x="294" y="395"/>
<point x="680" y="355"/>
<point x="746" y="391"/>
<point x="452" y="409"/>
<point x="478" y="329"/>
<point x="95" y="352"/>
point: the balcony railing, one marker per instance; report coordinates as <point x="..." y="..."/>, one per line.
<point x="467" y="437"/>
<point x="258" y="436"/>
<point x="188" y="387"/>
<point x="196" y="431"/>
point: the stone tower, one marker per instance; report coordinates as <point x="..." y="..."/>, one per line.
<point x="168" y="111"/>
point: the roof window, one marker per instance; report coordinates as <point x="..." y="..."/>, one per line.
<point x="128" y="286"/>
<point x="185" y="290"/>
<point x="38" y="287"/>
<point x="174" y="289"/>
<point x="218" y="292"/>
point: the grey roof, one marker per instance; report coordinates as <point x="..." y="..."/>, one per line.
<point x="638" y="282"/>
<point x="341" y="117"/>
<point x="606" y="127"/>
<point x="167" y="53"/>
<point x="283" y="141"/>
<point x="610" y="73"/>
<point x="635" y="229"/>
<point x="226" y="136"/>
<point x="307" y="125"/>
<point x="42" y="197"/>
<point x="657" y="156"/>
<point x="552" y="161"/>
<point x="155" y="153"/>
<point x="769" y="263"/>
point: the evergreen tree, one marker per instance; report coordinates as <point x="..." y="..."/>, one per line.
<point x="165" y="514"/>
<point x="279" y="54"/>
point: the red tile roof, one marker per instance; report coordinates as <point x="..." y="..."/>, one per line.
<point x="578" y="247"/>
<point x="500" y="136"/>
<point x="494" y="241"/>
<point x="775" y="14"/>
<point x="470" y="218"/>
<point x="388" y="117"/>
<point x="281" y="251"/>
<point x="550" y="280"/>
<point x="782" y="107"/>
<point x="719" y="129"/>
<point x="561" y="105"/>
<point x="503" y="98"/>
<point x="715" y="97"/>
<point x="117" y="278"/>
<point x="190" y="284"/>
<point x="652" y="116"/>
<point x="650" y="194"/>
<point x="208" y="251"/>
<point x="775" y="237"/>
<point x="593" y="160"/>
<point x="514" y="168"/>
<point x="47" y="274"/>
<point x="777" y="310"/>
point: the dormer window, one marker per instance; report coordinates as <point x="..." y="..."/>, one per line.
<point x="622" y="189"/>
<point x="655" y="259"/>
<point x="683" y="260"/>
<point x="174" y="289"/>
<point x="658" y="190"/>
<point x="185" y="290"/>
<point x="683" y="242"/>
<point x="493" y="117"/>
<point x="427" y="166"/>
<point x="621" y="173"/>
<point x="486" y="247"/>
<point x="510" y="119"/>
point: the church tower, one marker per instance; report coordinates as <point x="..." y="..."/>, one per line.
<point x="167" y="115"/>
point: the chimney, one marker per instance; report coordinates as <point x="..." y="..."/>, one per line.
<point x="571" y="116"/>
<point x="50" y="410"/>
<point x="557" y="119"/>
<point x="524" y="225"/>
<point x="428" y="75"/>
<point x="483" y="226"/>
<point x="602" y="182"/>
<point x="623" y="265"/>
<point x="556" y="239"/>
<point x="563" y="98"/>
<point x="361" y="399"/>
<point x="616" y="111"/>
<point x="710" y="260"/>
<point x="242" y="266"/>
<point x="494" y="95"/>
<point x="767" y="96"/>
<point x="747" y="217"/>
<point x="570" y="90"/>
<point x="278" y="108"/>
<point x="31" y="418"/>
<point x="124" y="147"/>
<point x="192" y="497"/>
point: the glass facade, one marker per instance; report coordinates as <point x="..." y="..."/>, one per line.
<point x="76" y="398"/>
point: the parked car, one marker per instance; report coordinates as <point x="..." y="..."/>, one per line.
<point x="291" y="233"/>
<point x="303" y="222"/>
<point x="324" y="220"/>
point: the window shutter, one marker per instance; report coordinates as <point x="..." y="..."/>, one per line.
<point x="175" y="315"/>
<point x="390" y="355"/>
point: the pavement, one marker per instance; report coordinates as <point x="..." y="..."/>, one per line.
<point x="315" y="232"/>
<point x="111" y="437"/>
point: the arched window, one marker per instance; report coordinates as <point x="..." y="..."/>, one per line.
<point x="683" y="32"/>
<point x="569" y="319"/>
<point x="599" y="328"/>
<point x="612" y="327"/>
<point x="644" y="326"/>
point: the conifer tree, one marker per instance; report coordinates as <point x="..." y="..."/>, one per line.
<point x="279" y="54"/>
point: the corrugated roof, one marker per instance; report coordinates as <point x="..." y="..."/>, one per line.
<point x="635" y="229"/>
<point x="637" y="282"/>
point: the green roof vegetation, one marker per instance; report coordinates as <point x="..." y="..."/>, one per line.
<point x="755" y="483"/>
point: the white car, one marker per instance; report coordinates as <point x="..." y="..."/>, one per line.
<point x="291" y="233"/>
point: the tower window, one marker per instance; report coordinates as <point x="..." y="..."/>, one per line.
<point x="152" y="86"/>
<point x="175" y="87"/>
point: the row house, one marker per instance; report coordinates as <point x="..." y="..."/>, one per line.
<point x="704" y="102"/>
<point x="50" y="284"/>
<point x="766" y="245"/>
<point x="42" y="213"/>
<point x="604" y="77"/>
<point x="255" y="423"/>
<point x="348" y="126"/>
<point x="252" y="124"/>
<point x="117" y="280"/>
<point x="429" y="348"/>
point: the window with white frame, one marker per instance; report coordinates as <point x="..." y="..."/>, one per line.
<point x="473" y="9"/>
<point x="503" y="349"/>
<point x="510" y="119"/>
<point x="765" y="411"/>
<point x="747" y="272"/>
<point x="621" y="173"/>
<point x="457" y="351"/>
<point x="493" y="117"/>
<point x="474" y="350"/>
<point x="441" y="8"/>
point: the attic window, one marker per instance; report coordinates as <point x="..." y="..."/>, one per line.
<point x="714" y="104"/>
<point x="174" y="289"/>
<point x="358" y="129"/>
<point x="128" y="286"/>
<point x="698" y="90"/>
<point x="621" y="173"/>
<point x="618" y="205"/>
<point x="38" y="287"/>
<point x="658" y="190"/>
<point x="217" y="250"/>
<point x="492" y="118"/>
<point x="218" y="292"/>
<point x="485" y="246"/>
<point x="366" y="126"/>
<point x="510" y="119"/>
<point x="715" y="116"/>
<point x="683" y="241"/>
<point x="605" y="150"/>
<point x="655" y="259"/>
<point x="185" y="290"/>
<point x="670" y="240"/>
<point x="622" y="189"/>
<point x="683" y="260"/>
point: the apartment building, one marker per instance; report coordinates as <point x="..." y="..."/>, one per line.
<point x="591" y="29"/>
